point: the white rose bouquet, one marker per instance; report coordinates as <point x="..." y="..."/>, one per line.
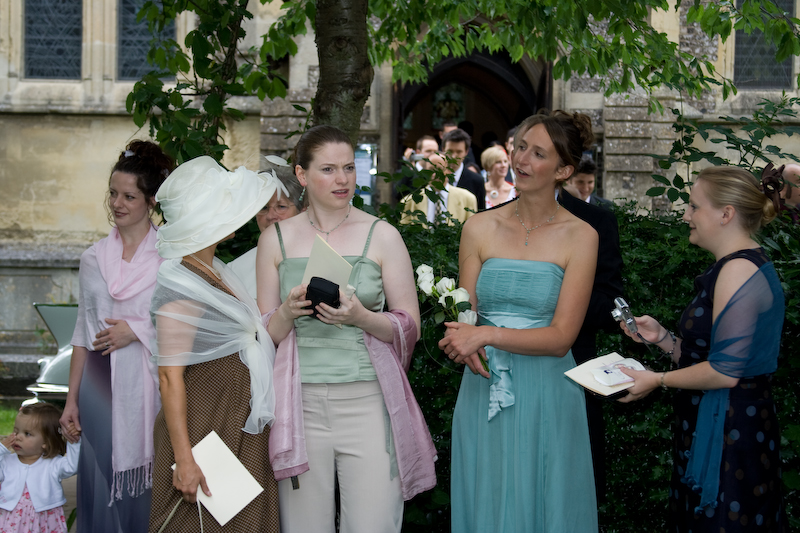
<point x="454" y="301"/>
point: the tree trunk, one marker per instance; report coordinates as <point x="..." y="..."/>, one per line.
<point x="345" y="73"/>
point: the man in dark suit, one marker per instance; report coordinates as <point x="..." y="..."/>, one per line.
<point x="581" y="183"/>
<point x="607" y="286"/>
<point x="456" y="145"/>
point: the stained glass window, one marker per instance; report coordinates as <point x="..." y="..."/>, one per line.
<point x="754" y="66"/>
<point x="134" y="41"/>
<point x="53" y="37"/>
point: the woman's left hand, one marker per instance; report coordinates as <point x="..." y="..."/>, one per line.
<point x="119" y="335"/>
<point x="464" y="344"/>
<point x="350" y="311"/>
<point x="645" y="381"/>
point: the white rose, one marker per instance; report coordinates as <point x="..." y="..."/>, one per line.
<point x="460" y="295"/>
<point x="426" y="286"/>
<point x="444" y="286"/>
<point x="424" y="269"/>
<point x="468" y="317"/>
<point x="427" y="277"/>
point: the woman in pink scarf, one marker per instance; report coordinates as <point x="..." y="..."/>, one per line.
<point x="113" y="387"/>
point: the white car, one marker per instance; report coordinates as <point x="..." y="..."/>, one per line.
<point x="53" y="380"/>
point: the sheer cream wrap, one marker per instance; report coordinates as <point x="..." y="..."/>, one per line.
<point x="196" y="323"/>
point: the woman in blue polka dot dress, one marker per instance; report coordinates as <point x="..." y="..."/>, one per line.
<point x="726" y="474"/>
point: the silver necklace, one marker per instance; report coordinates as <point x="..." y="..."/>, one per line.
<point x="327" y="233"/>
<point x="528" y="231"/>
<point x="212" y="269"/>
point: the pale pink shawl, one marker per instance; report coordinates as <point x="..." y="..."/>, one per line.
<point x="413" y="444"/>
<point x="113" y="288"/>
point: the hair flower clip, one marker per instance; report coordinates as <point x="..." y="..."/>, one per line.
<point x="772" y="184"/>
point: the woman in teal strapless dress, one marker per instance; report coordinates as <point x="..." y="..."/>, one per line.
<point x="521" y="459"/>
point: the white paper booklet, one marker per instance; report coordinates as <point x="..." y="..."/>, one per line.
<point x="232" y="486"/>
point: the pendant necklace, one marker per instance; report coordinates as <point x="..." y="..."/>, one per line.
<point x="212" y="269"/>
<point x="528" y="231"/>
<point x="327" y="233"/>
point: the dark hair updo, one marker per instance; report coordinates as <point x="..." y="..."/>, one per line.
<point x="315" y="138"/>
<point x="571" y="133"/>
<point x="148" y="162"/>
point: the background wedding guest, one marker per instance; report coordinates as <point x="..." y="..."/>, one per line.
<point x="113" y="393"/>
<point x="582" y="182"/>
<point x="726" y="459"/>
<point x="791" y="193"/>
<point x="347" y="415"/>
<point x="459" y="203"/>
<point x="456" y="144"/>
<point x="521" y="457"/>
<point x="280" y="207"/>
<point x="426" y="147"/>
<point x="495" y="160"/>
<point x="214" y="356"/>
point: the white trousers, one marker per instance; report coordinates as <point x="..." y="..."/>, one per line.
<point x="346" y="441"/>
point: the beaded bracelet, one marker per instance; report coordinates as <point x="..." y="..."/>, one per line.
<point x="674" y="342"/>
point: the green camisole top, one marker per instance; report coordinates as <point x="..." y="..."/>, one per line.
<point x="329" y="354"/>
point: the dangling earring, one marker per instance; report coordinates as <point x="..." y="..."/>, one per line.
<point x="302" y="195"/>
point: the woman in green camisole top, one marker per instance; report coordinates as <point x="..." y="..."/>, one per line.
<point x="348" y="434"/>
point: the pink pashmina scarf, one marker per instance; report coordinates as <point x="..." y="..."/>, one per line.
<point x="135" y="400"/>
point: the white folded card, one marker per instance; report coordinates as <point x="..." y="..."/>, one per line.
<point x="232" y="486"/>
<point x="325" y="262"/>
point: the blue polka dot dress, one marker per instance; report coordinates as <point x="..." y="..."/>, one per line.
<point x="750" y="479"/>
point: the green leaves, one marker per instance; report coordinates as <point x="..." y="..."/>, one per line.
<point x="744" y="137"/>
<point x="188" y="117"/>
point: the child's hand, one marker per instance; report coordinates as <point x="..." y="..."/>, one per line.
<point x="73" y="434"/>
<point x="8" y="441"/>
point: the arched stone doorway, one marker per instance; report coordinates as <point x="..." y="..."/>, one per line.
<point x="486" y="89"/>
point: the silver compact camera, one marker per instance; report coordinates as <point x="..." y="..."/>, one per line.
<point x="622" y="312"/>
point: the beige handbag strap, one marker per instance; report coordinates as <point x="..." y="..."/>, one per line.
<point x="172" y="513"/>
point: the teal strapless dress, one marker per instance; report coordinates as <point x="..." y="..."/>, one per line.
<point x="521" y="459"/>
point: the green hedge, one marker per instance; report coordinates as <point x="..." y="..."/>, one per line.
<point x="660" y="267"/>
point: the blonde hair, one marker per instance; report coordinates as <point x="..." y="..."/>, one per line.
<point x="738" y="188"/>
<point x="492" y="155"/>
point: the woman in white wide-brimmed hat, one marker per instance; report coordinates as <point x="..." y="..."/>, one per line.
<point x="214" y="356"/>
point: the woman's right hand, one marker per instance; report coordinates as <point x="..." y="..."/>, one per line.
<point x="647" y="326"/>
<point x="296" y="304"/>
<point x="186" y="477"/>
<point x="70" y="421"/>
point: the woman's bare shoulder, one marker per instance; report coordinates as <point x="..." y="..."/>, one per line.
<point x="489" y="220"/>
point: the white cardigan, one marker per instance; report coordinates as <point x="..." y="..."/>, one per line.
<point x="43" y="478"/>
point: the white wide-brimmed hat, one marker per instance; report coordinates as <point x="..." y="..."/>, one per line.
<point x="203" y="203"/>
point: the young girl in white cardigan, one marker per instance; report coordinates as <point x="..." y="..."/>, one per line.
<point x="32" y="465"/>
